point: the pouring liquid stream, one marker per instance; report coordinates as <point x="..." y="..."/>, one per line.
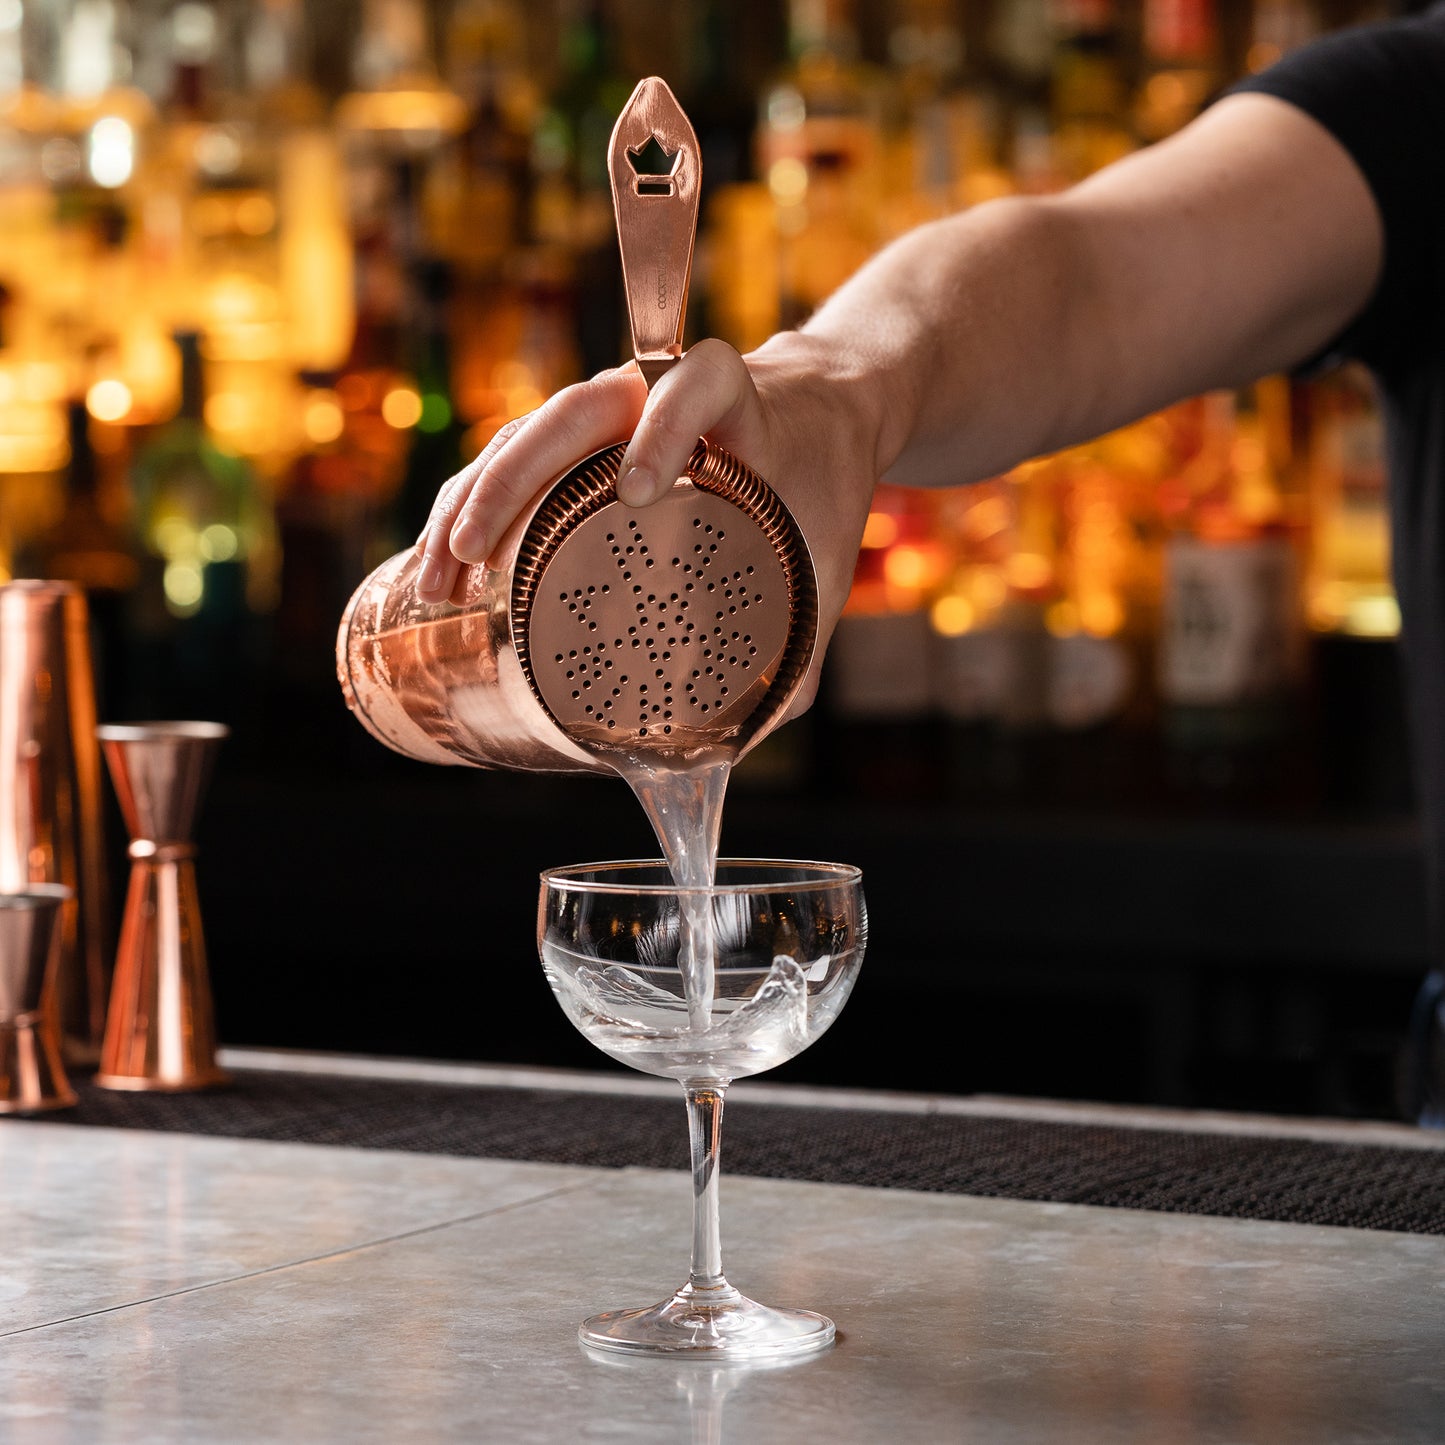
<point x="682" y="794"/>
<point x="684" y="803"/>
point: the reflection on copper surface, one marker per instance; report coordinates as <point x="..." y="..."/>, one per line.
<point x="50" y="821"/>
<point x="32" y="1074"/>
<point x="160" y="1030"/>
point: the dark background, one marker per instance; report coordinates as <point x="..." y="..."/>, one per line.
<point x="1071" y="916"/>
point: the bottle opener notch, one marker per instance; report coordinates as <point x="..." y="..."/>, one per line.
<point x="655" y="166"/>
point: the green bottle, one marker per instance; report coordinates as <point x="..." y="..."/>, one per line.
<point x="204" y="532"/>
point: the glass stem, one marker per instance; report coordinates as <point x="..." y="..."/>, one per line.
<point x="704" y="1127"/>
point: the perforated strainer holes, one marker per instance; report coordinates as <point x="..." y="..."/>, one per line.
<point x="655" y="604"/>
<point x="650" y="619"/>
<point x="579" y="603"/>
<point x="588" y="667"/>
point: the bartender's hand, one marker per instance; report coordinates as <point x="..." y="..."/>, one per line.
<point x="784" y="411"/>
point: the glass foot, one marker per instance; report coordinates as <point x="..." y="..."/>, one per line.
<point x="709" y="1323"/>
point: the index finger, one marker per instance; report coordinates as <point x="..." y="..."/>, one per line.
<point x="576" y="422"/>
<point x="476" y="507"/>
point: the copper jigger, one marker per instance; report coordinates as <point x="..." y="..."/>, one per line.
<point x="160" y="1031"/>
<point x="32" y="1075"/>
<point x="50" y="820"/>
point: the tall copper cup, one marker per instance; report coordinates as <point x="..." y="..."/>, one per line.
<point x="50" y="820"/>
<point x="32" y="1073"/>
<point x="160" y="1028"/>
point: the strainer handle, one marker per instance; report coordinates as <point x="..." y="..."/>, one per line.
<point x="656" y="219"/>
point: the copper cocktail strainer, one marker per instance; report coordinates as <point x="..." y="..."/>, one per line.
<point x="600" y="627"/>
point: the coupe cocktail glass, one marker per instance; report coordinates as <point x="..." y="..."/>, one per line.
<point x="703" y="985"/>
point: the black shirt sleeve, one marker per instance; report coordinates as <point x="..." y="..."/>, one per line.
<point x="1380" y="90"/>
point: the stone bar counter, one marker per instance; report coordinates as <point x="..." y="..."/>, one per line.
<point x="340" y="1249"/>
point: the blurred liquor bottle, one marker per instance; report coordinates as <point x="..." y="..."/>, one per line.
<point x="1275" y="28"/>
<point x="1350" y="597"/>
<point x="1034" y="578"/>
<point x="480" y="188"/>
<point x="171" y="62"/>
<point x="359" y="392"/>
<point x="826" y="99"/>
<point x="1232" y="649"/>
<point x="509" y="312"/>
<point x="113" y="142"/>
<point x="370" y="385"/>
<point x="333" y="517"/>
<point x="327" y="515"/>
<point x="194" y="154"/>
<point x="512" y="345"/>
<point x="1182" y="65"/>
<point x="29" y="46"/>
<point x="976" y="526"/>
<point x="969" y="650"/>
<point x="328" y="502"/>
<point x="74" y="118"/>
<point x="1061" y="669"/>
<point x="827" y="232"/>
<point x="89" y="543"/>
<point x="396" y="361"/>
<point x="69" y="135"/>
<point x="1350" y="590"/>
<point x="28" y="117"/>
<point x="572" y="215"/>
<point x="398" y="103"/>
<point x="206" y="536"/>
<point x="272" y="248"/>
<point x="820" y="149"/>
<point x="921" y="125"/>
<point x="299" y="169"/>
<point x="102" y="112"/>
<point x="1021" y="55"/>
<point x="203" y="214"/>
<point x="1105" y="624"/>
<point x="1021" y="43"/>
<point x="1088" y="92"/>
<point x="717" y="95"/>
<point x="1035" y="165"/>
<point x="396" y="124"/>
<point x="435" y="451"/>
<point x="877" y="731"/>
<point x="400" y="124"/>
<point x="1042" y="624"/>
<point x="279" y="94"/>
<point x="735" y="285"/>
<point x="740" y="266"/>
<point x="941" y="145"/>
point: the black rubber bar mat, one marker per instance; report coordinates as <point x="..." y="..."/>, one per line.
<point x="1364" y="1186"/>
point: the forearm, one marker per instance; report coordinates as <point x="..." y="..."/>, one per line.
<point x="965" y="343"/>
<point x="1025" y="325"/>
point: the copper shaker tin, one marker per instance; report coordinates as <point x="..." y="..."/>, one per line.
<point x="50" y="818"/>
<point x="597" y="629"/>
